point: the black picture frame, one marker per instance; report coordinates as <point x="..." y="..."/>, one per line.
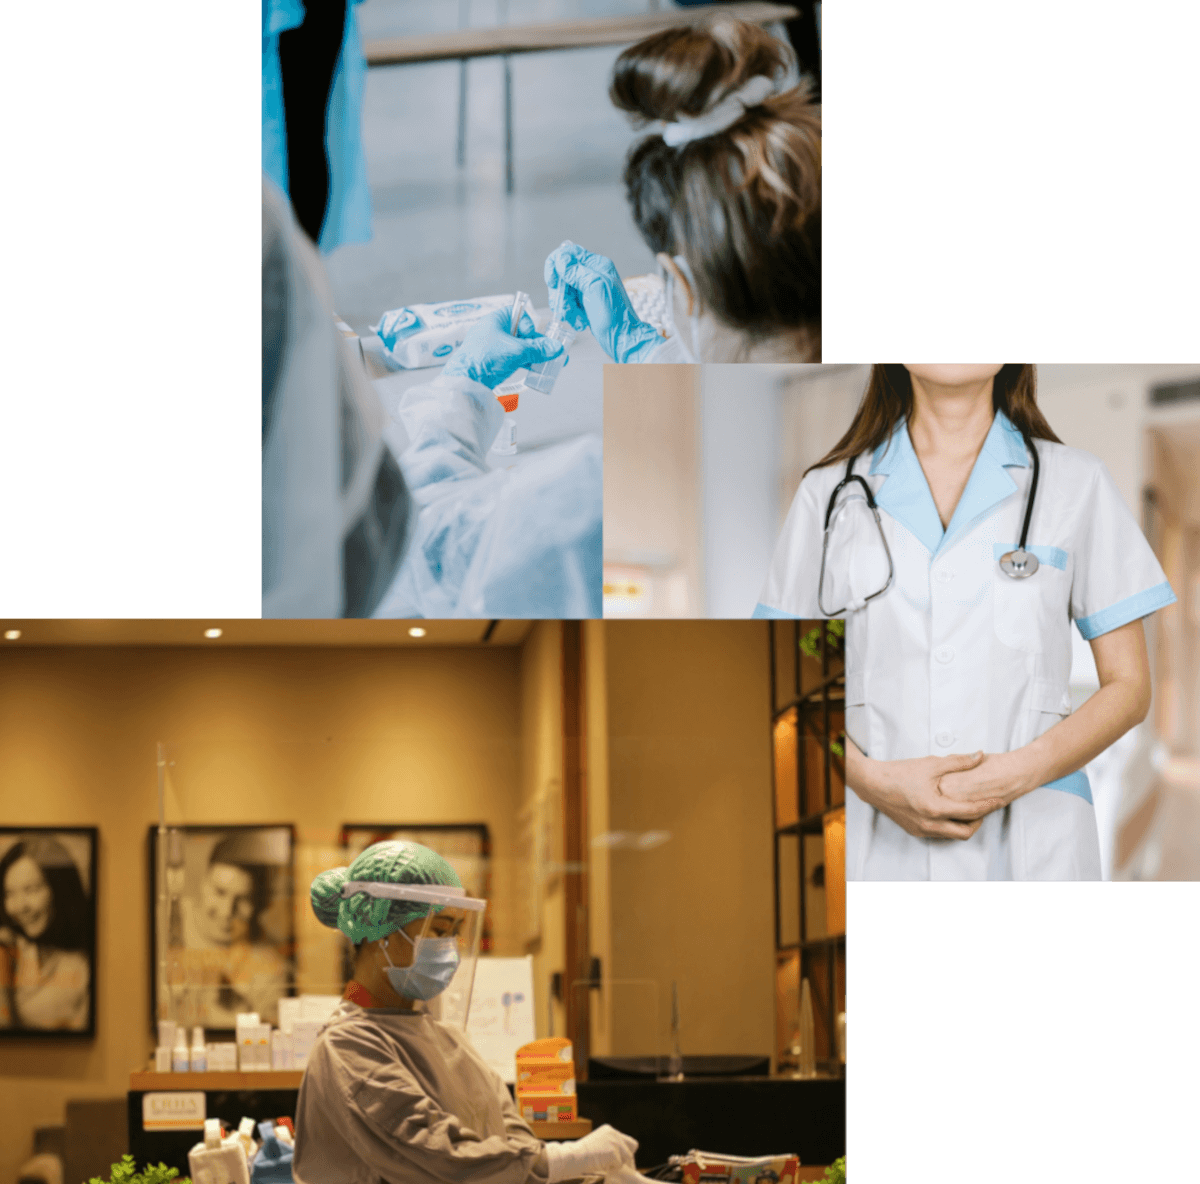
<point x="211" y="834"/>
<point x="75" y="882"/>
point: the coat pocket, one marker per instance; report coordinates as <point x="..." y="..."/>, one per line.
<point x="1029" y="613"/>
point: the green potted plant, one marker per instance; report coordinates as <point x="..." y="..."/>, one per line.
<point x="126" y="1172"/>
<point x="835" y="640"/>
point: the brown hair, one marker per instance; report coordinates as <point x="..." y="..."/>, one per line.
<point x="888" y="399"/>
<point x="743" y="206"/>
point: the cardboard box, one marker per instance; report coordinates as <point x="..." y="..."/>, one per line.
<point x="545" y="1084"/>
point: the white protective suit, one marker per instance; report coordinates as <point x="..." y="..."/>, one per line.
<point x="350" y="531"/>
<point x="401" y="1097"/>
<point x="956" y="657"/>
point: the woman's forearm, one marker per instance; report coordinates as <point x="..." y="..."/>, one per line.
<point x="1083" y="735"/>
<point x="858" y="771"/>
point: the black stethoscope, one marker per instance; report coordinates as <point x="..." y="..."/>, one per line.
<point x="1017" y="565"/>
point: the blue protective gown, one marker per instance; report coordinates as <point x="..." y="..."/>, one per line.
<point x="348" y="214"/>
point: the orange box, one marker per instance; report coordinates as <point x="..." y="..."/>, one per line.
<point x="546" y="1080"/>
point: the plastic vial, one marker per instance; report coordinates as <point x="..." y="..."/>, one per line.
<point x="506" y="439"/>
<point x="541" y="376"/>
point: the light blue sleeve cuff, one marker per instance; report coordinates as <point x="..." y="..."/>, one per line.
<point x="764" y="612"/>
<point x="1076" y="783"/>
<point x="1132" y="608"/>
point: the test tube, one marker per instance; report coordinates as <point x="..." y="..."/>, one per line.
<point x="542" y="375"/>
<point x="519" y="302"/>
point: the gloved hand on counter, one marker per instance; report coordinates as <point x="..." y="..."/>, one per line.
<point x="490" y="353"/>
<point x="603" y="1151"/>
<point x="595" y="298"/>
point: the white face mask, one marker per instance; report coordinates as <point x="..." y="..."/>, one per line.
<point x="691" y="355"/>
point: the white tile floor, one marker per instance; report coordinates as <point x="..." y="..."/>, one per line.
<point x="442" y="232"/>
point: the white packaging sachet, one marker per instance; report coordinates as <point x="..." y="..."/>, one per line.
<point x="427" y="334"/>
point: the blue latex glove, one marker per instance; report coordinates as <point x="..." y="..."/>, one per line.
<point x="272" y="1164"/>
<point x="595" y="298"/>
<point x="490" y="353"/>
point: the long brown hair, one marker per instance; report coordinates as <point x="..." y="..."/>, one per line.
<point x="888" y="399"/>
<point x="743" y="206"/>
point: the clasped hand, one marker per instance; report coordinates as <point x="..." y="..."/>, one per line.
<point x="946" y="797"/>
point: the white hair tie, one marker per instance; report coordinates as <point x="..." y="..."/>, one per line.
<point x="686" y="128"/>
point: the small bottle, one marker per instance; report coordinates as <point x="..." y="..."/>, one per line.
<point x="162" y="1060"/>
<point x="180" y="1061"/>
<point x="199" y="1056"/>
<point x="541" y="376"/>
<point x="245" y="1134"/>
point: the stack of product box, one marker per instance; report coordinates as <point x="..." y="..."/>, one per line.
<point x="546" y="1080"/>
<point x="258" y="1047"/>
<point x="253" y="1043"/>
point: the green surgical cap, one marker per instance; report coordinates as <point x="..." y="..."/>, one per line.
<point x="369" y="918"/>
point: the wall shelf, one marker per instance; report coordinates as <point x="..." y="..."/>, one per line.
<point x="808" y="722"/>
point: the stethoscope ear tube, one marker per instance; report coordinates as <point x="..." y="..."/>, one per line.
<point x="854" y="606"/>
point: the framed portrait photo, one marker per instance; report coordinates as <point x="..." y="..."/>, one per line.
<point x="48" y="932"/>
<point x="221" y="923"/>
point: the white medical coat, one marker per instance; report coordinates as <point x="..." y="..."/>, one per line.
<point x="956" y="657"/>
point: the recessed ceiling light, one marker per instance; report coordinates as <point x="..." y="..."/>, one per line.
<point x="12" y="634"/>
<point x="212" y="632"/>
<point x="416" y="631"/>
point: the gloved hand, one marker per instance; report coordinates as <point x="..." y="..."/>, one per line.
<point x="604" y="1150"/>
<point x="595" y="298"/>
<point x="490" y="353"/>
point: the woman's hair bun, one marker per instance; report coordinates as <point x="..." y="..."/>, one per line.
<point x="326" y="895"/>
<point x="742" y="205"/>
<point x="688" y="69"/>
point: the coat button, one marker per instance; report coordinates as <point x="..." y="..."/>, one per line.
<point x="943" y="575"/>
<point x="944" y="654"/>
<point x="944" y="739"/>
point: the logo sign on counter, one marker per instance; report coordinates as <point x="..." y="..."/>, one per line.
<point x="175" y="1111"/>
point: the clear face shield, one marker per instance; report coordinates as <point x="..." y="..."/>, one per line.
<point x="432" y="963"/>
<point x="856" y="563"/>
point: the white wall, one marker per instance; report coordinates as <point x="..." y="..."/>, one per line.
<point x="739" y="464"/>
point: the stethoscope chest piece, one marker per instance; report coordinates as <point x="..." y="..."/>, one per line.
<point x="1019" y="564"/>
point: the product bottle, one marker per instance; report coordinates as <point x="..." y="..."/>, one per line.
<point x="180" y="1062"/>
<point x="199" y="1056"/>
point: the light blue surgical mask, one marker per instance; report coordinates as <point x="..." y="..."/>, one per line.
<point x="435" y="960"/>
<point x="689" y="355"/>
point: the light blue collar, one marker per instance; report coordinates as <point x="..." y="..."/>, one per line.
<point x="905" y="493"/>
